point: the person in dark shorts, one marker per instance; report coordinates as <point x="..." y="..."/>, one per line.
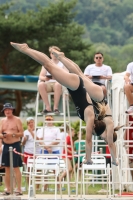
<point x="2" y="169"/>
<point x="11" y="130"/>
<point x="17" y="161"/>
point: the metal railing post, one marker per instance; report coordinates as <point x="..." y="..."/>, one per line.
<point x="101" y="152"/>
<point x="11" y="169"/>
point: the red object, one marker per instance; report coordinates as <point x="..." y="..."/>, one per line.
<point x="129" y="134"/>
<point x="26" y="157"/>
<point x="126" y="194"/>
<point x="107" y="152"/>
<point x="68" y="142"/>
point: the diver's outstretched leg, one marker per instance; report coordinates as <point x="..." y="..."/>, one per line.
<point x="69" y="80"/>
<point x="95" y="91"/>
<point x="70" y="65"/>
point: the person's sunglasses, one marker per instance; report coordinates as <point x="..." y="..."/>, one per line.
<point x="98" y="57"/>
<point x="48" y="119"/>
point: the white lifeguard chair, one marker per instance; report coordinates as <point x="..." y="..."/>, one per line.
<point x="122" y="178"/>
<point x="97" y="144"/>
<point x="63" y="118"/>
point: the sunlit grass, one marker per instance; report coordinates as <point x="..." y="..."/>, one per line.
<point x="90" y="189"/>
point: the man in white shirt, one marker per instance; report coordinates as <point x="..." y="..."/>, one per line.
<point x="129" y="86"/>
<point x="99" y="72"/>
<point x="47" y="83"/>
<point x="50" y="135"/>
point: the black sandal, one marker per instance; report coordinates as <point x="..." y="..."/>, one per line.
<point x="56" y="111"/>
<point x="6" y="193"/>
<point x="18" y="193"/>
<point x="46" y="112"/>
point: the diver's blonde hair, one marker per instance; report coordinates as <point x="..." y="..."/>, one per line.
<point x="102" y="110"/>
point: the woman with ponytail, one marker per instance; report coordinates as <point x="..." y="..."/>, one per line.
<point x="81" y="89"/>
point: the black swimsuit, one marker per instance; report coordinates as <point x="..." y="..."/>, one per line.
<point x="79" y="99"/>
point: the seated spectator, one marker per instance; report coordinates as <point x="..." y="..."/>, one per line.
<point x="129" y="86"/>
<point x="69" y="153"/>
<point x="99" y="72"/>
<point x="48" y="84"/>
<point x="50" y="136"/>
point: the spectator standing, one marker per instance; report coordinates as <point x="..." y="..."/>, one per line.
<point x="28" y="139"/>
<point x="28" y="142"/>
<point x="99" y="72"/>
<point x="79" y="144"/>
<point x="129" y="86"/>
<point x="69" y="154"/>
<point x="2" y="169"/>
<point x="11" y="130"/>
<point x="108" y="157"/>
<point x="47" y="84"/>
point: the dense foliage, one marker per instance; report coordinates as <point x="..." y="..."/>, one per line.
<point x="107" y="21"/>
<point x="108" y="25"/>
<point x="52" y="25"/>
<point x="78" y="27"/>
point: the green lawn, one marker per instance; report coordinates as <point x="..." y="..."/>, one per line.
<point x="89" y="189"/>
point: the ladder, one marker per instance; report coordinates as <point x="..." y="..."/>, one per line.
<point x="63" y="118"/>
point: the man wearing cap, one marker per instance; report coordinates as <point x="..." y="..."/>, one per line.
<point x="11" y="130"/>
<point x="51" y="138"/>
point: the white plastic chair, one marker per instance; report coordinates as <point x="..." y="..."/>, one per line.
<point x="99" y="163"/>
<point x="39" y="174"/>
<point x="27" y="170"/>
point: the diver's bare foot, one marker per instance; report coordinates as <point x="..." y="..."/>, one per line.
<point x="115" y="163"/>
<point x="57" y="54"/>
<point x="88" y="162"/>
<point x="19" y="47"/>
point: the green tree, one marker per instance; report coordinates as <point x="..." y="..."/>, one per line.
<point x="109" y="21"/>
<point x="52" y="25"/>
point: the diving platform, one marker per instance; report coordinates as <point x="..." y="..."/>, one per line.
<point x="19" y="82"/>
